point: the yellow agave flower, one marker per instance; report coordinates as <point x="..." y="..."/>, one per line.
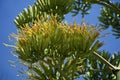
<point x="56" y="45"/>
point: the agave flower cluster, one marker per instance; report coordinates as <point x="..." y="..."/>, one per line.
<point x="54" y="50"/>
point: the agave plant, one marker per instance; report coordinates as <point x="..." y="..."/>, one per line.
<point x="54" y="50"/>
<point x="58" y="51"/>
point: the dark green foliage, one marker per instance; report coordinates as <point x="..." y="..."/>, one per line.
<point x="44" y="8"/>
<point x="97" y="70"/>
<point x="81" y="6"/>
<point x="111" y="18"/>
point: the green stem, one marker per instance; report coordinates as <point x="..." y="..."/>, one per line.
<point x="106" y="62"/>
<point x="118" y="73"/>
<point x="116" y="69"/>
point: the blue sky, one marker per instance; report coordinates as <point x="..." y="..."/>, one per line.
<point x="9" y="9"/>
